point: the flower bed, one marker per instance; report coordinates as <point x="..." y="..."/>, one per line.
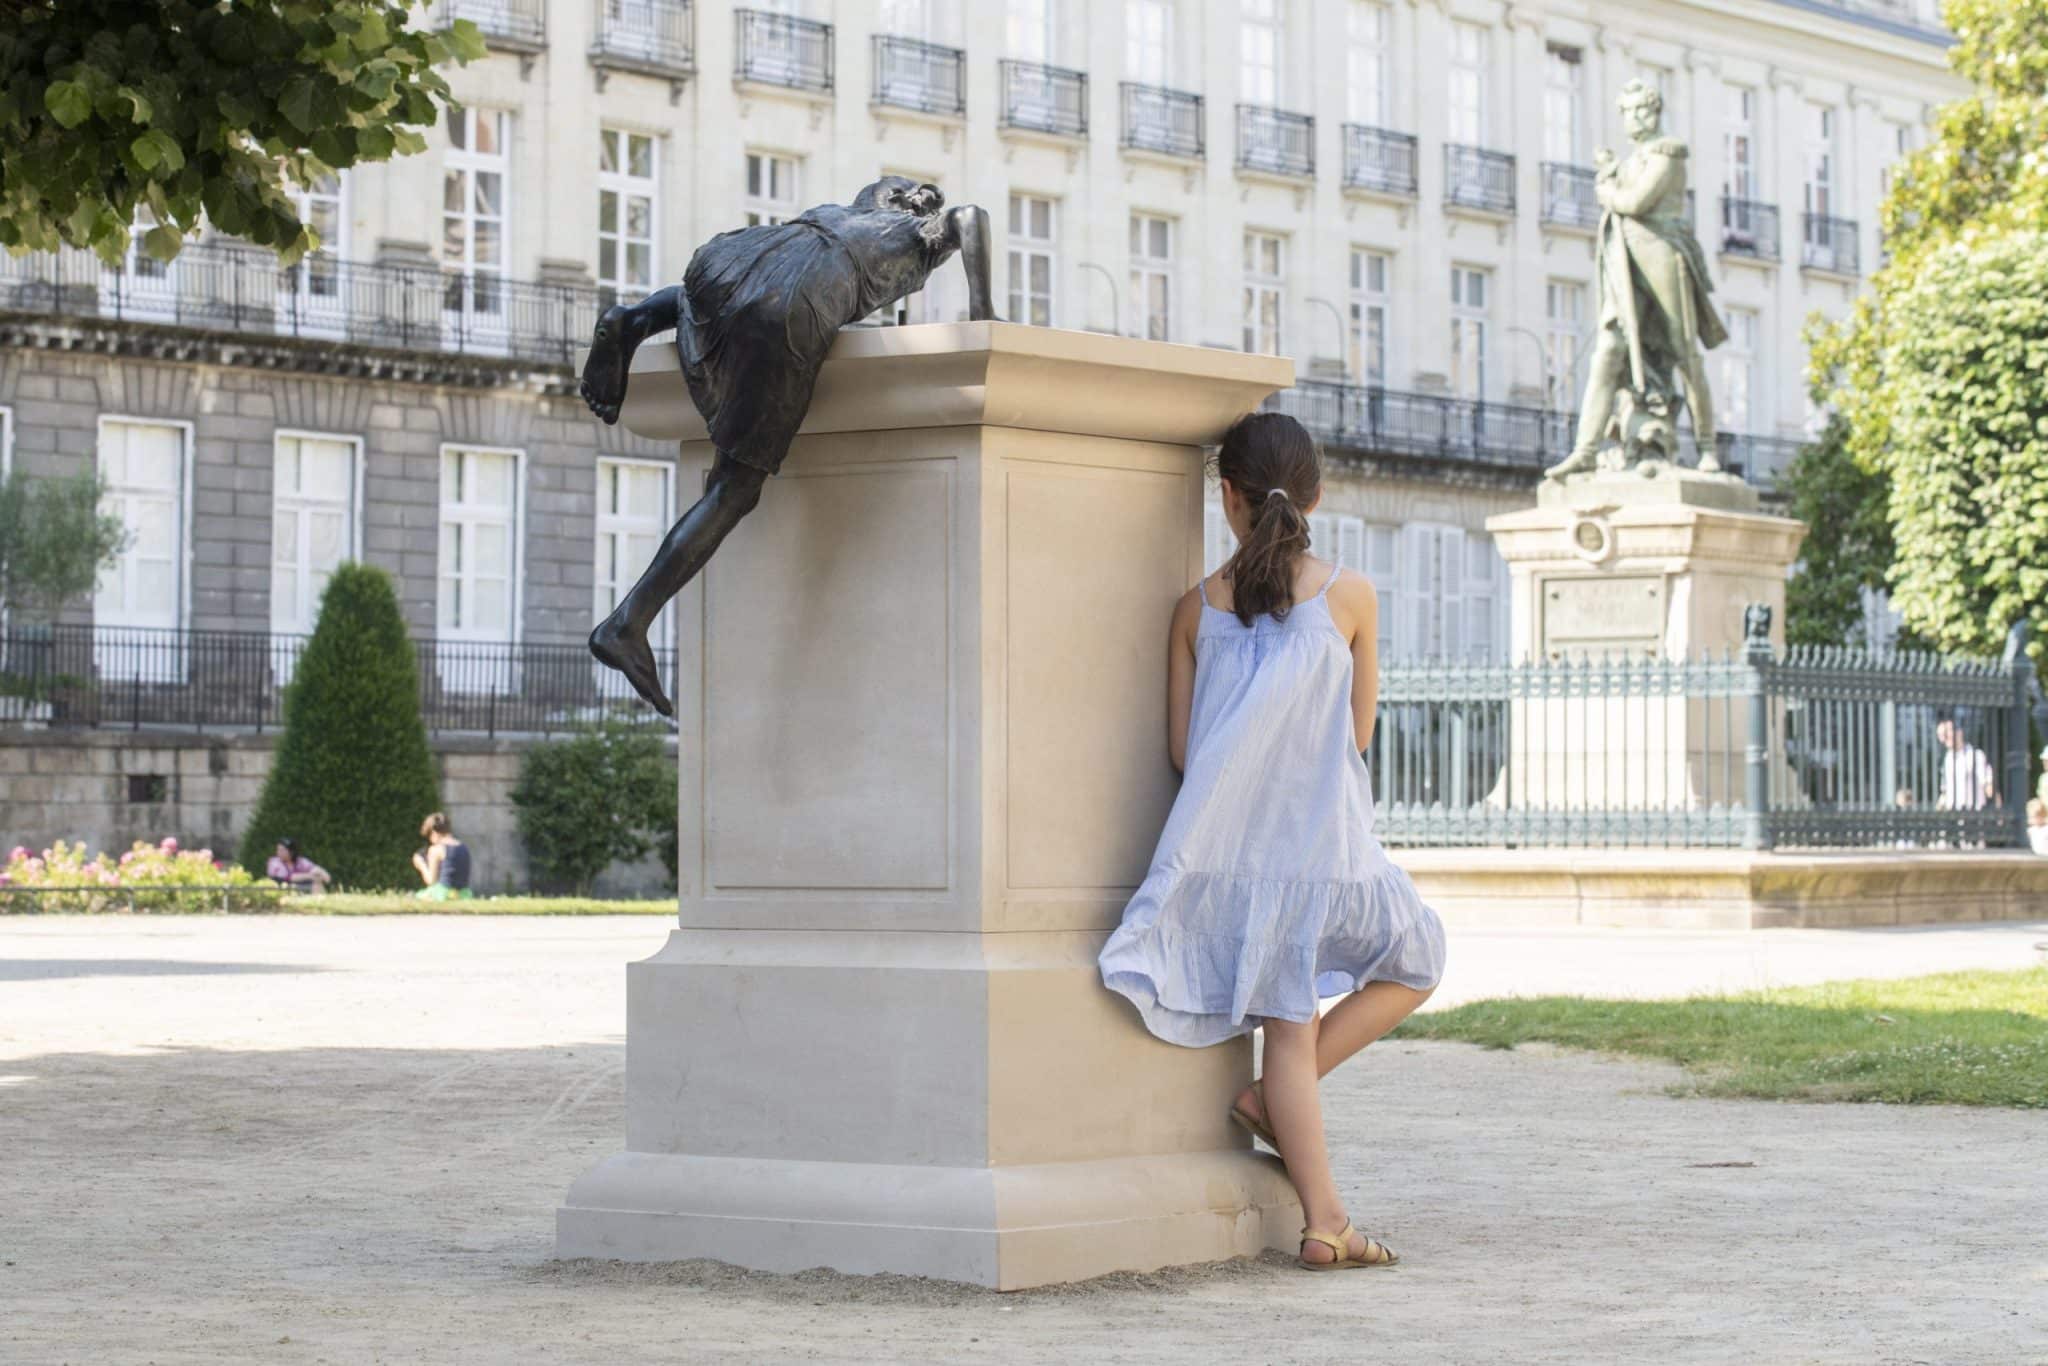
<point x="149" y="877"/>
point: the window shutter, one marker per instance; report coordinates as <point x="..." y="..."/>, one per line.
<point x="1417" y="637"/>
<point x="1351" y="543"/>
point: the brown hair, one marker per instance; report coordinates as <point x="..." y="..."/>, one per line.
<point x="1272" y="462"/>
<point x="436" y="824"/>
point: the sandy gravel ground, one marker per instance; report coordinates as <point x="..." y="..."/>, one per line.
<point x="294" y="1140"/>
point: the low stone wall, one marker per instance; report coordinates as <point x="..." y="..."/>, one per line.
<point x="1727" y="889"/>
<point x="111" y="788"/>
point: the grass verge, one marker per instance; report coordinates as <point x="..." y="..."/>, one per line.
<point x="1958" y="1038"/>
<point x="405" y="903"/>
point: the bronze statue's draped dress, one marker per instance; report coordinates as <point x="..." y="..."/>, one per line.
<point x="1647" y="248"/>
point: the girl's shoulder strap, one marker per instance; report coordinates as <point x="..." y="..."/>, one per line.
<point x="1336" y="572"/>
<point x="1202" y="587"/>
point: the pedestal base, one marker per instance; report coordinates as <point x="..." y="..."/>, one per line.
<point x="1007" y="1228"/>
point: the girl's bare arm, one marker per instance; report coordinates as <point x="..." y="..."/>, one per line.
<point x="1355" y="606"/>
<point x="1180" y="676"/>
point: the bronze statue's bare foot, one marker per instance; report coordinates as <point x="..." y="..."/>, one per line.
<point x="1574" y="463"/>
<point x="620" y="645"/>
<point x="604" y="374"/>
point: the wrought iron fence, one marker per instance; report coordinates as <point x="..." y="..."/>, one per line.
<point x="780" y="49"/>
<point x="224" y="286"/>
<point x="522" y="23"/>
<point x="1379" y="159"/>
<point x="1160" y="120"/>
<point x="1749" y="227"/>
<point x="912" y="74"/>
<point x="1568" y="195"/>
<point x="1275" y="140"/>
<point x="1477" y="178"/>
<point x="651" y="36"/>
<point x="136" y="678"/>
<point x="1817" y="748"/>
<point x="1045" y="99"/>
<point x="1830" y="244"/>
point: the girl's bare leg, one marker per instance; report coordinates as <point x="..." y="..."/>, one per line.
<point x="1295" y="1112"/>
<point x="1357" y="1020"/>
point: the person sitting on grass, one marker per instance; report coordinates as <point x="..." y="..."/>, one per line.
<point x="444" y="864"/>
<point x="290" y="868"/>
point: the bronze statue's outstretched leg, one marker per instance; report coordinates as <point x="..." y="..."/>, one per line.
<point x="620" y="330"/>
<point x="620" y="640"/>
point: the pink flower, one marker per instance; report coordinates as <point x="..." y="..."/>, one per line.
<point x="17" y="854"/>
<point x="170" y="844"/>
<point x="127" y="858"/>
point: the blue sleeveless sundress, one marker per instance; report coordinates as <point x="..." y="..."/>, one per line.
<point x="1268" y="890"/>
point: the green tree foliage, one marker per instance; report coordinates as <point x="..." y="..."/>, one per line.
<point x="353" y="776"/>
<point x="54" y="541"/>
<point x="119" y="111"/>
<point x="1848" y="545"/>
<point x="607" y="795"/>
<point x="1982" y="179"/>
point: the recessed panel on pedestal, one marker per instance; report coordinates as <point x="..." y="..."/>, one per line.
<point x="827" y="684"/>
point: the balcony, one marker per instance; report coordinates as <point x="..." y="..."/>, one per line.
<point x="1568" y="198"/>
<point x="1044" y="99"/>
<point x="1275" y="141"/>
<point x="650" y="37"/>
<point x="136" y="678"/>
<point x="925" y="77"/>
<point x="1475" y="178"/>
<point x="516" y="25"/>
<point x="1379" y="159"/>
<point x="1437" y="427"/>
<point x="1156" y="119"/>
<point x="1749" y="227"/>
<point x="233" y="288"/>
<point x="776" y="49"/>
<point x="1830" y="244"/>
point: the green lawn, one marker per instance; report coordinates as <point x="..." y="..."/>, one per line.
<point x="1959" y="1038"/>
<point x="405" y="903"/>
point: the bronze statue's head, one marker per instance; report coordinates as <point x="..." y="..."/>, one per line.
<point x="901" y="193"/>
<point x="1642" y="109"/>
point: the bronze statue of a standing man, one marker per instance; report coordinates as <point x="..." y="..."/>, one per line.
<point x="1655" y="314"/>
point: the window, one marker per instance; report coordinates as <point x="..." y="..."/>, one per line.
<point x="1901" y="147"/>
<point x="1259" y="42"/>
<point x="1152" y="275"/>
<point x="1032" y="221"/>
<point x="906" y="19"/>
<point x="1468" y="332"/>
<point x="1366" y="63"/>
<point x="1739" y="143"/>
<point x="1564" y="312"/>
<point x="1219" y="542"/>
<point x="480" y="521"/>
<point x="1467" y="84"/>
<point x="143" y="467"/>
<point x="635" y="503"/>
<point x="771" y="189"/>
<point x="310" y="293"/>
<point x="1148" y="41"/>
<point x="1338" y="539"/>
<point x="1451" y="597"/>
<point x="1820" y="160"/>
<point x="1561" y="106"/>
<point x="312" y="524"/>
<point x="1733" y="387"/>
<point x="1381" y="566"/>
<point x="1367" y="362"/>
<point x="627" y="197"/>
<point x="474" y="179"/>
<point x="148" y="288"/>
<point x="1030" y="30"/>
<point x="1265" y="256"/>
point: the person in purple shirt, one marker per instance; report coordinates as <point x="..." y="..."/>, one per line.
<point x="290" y="868"/>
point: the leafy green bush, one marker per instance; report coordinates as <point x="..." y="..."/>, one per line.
<point x="353" y="776"/>
<point x="605" y="796"/>
<point x="149" y="877"/>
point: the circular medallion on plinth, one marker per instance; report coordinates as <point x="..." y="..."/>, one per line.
<point x="1592" y="540"/>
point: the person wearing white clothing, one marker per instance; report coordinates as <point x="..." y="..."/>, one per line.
<point x="1968" y="781"/>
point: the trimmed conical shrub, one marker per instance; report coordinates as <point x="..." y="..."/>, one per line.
<point x="353" y="776"/>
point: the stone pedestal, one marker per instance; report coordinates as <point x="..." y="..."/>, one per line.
<point x="1621" y="567"/>
<point x="922" y="739"/>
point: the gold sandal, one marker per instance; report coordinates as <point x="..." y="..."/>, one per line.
<point x="1376" y="1253"/>
<point x="1257" y="1128"/>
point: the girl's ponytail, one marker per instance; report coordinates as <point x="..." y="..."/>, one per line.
<point x="1272" y="463"/>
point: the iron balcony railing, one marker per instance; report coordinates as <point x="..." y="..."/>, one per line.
<point x="1156" y="119"/>
<point x="1275" y="141"/>
<point x="1830" y="244"/>
<point x="1380" y="421"/>
<point x="1379" y="159"/>
<point x="1568" y="197"/>
<point x="1749" y="227"/>
<point x="231" y="287"/>
<point x="912" y="74"/>
<point x="135" y="678"/>
<point x="1816" y="748"/>
<point x="1044" y="99"/>
<point x="649" y="36"/>
<point x="779" y="49"/>
<point x="510" y="23"/>
<point x="1475" y="178"/>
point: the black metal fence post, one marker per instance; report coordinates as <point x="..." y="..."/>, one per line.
<point x="2025" y="685"/>
<point x="1757" y="658"/>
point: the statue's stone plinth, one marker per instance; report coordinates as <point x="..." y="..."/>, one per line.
<point x="922" y="737"/>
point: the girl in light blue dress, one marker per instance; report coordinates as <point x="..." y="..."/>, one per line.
<point x="1268" y="891"/>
